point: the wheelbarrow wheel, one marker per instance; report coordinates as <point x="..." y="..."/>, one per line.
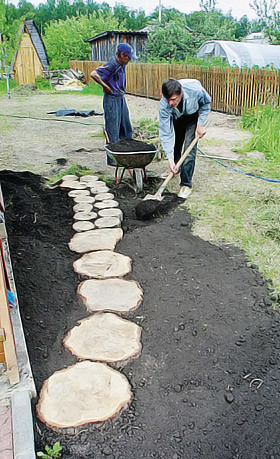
<point x="138" y="178"/>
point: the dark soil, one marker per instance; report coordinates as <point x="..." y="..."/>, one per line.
<point x="130" y="145"/>
<point x="209" y="333"/>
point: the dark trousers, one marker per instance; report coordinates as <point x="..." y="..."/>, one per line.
<point x="117" y="122"/>
<point x="184" y="128"/>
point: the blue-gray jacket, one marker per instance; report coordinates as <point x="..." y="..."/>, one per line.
<point x="195" y="99"/>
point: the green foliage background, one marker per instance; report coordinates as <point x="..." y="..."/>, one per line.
<point x="66" y="25"/>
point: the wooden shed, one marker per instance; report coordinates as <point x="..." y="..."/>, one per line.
<point x="31" y="57"/>
<point x="104" y="45"/>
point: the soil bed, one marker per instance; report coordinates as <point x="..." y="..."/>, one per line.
<point x="209" y="333"/>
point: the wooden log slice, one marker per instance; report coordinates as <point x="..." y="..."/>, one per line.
<point x="105" y="337"/>
<point x="106" y="204"/>
<point x="83" y="393"/>
<point x="103" y="265"/>
<point x="98" y="239"/>
<point x="75" y="193"/>
<point x="85" y="216"/>
<point x="82" y="198"/>
<point x="108" y="222"/>
<point x="89" y="178"/>
<point x="83" y="226"/>
<point x="73" y="185"/>
<point x="111" y="212"/>
<point x="70" y="177"/>
<point x="83" y="207"/>
<point x="115" y="295"/>
<point x="99" y="189"/>
<point x="104" y="196"/>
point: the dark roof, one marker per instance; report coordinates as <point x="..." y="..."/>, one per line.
<point x="109" y="33"/>
<point x="37" y="42"/>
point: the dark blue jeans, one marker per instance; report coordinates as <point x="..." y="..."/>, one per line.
<point x="117" y="122"/>
<point x="184" y="128"/>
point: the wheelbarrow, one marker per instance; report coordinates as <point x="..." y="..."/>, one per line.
<point x="135" y="161"/>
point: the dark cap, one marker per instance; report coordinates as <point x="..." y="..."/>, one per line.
<point x="128" y="50"/>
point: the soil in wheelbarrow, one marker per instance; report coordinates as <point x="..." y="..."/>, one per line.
<point x="131" y="145"/>
<point x="207" y="382"/>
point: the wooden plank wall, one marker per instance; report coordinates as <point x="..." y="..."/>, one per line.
<point x="231" y="89"/>
<point x="27" y="66"/>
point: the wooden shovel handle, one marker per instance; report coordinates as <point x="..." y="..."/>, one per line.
<point x="181" y="160"/>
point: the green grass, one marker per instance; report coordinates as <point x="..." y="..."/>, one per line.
<point x="3" y="86"/>
<point x="75" y="169"/>
<point x="92" y="89"/>
<point x="264" y="123"/>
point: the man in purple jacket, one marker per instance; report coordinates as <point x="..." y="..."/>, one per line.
<point x="112" y="77"/>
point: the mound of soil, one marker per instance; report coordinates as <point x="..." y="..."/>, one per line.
<point x="207" y="381"/>
<point x="130" y="145"/>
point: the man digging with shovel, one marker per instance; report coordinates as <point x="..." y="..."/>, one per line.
<point x="183" y="111"/>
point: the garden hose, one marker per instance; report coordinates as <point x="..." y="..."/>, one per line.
<point x="240" y="172"/>
<point x="50" y="119"/>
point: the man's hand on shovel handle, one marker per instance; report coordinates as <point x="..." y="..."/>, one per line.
<point x="172" y="167"/>
<point x="200" y="131"/>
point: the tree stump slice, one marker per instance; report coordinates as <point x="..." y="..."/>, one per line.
<point x="102" y="188"/>
<point x="83" y="226"/>
<point x="111" y="212"/>
<point x="83" y="393"/>
<point x="103" y="265"/>
<point x="104" y="196"/>
<point x="108" y="222"/>
<point x="75" y="193"/>
<point x="89" y="178"/>
<point x="105" y="337"/>
<point x="83" y="207"/>
<point x="82" y="198"/>
<point x="97" y="239"/>
<point x="73" y="185"/>
<point x="106" y="204"/>
<point x="85" y="216"/>
<point x="114" y="295"/>
<point x="71" y="177"/>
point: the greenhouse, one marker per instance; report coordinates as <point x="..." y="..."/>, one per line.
<point x="241" y="54"/>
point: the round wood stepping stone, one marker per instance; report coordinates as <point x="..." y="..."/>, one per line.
<point x="82" y="198"/>
<point x="85" y="216"/>
<point x="110" y="295"/>
<point x="83" y="393"/>
<point x="103" y="264"/>
<point x="104" y="196"/>
<point x="98" y="239"/>
<point x="83" y="207"/>
<point x="111" y="212"/>
<point x="106" y="204"/>
<point x="70" y="177"/>
<point x="99" y="188"/>
<point x="73" y="185"/>
<point x="105" y="337"/>
<point x="83" y="226"/>
<point x="108" y="222"/>
<point x="88" y="178"/>
<point x="75" y="193"/>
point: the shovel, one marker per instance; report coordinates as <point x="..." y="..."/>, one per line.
<point x="149" y="204"/>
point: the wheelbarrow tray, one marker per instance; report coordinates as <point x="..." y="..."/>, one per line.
<point x="133" y="159"/>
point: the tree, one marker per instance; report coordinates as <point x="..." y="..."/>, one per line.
<point x="207" y="5"/>
<point x="65" y="40"/>
<point x="264" y="9"/>
<point x="170" y="42"/>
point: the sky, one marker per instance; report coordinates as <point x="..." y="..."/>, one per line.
<point x="238" y="8"/>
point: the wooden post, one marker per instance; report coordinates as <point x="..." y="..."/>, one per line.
<point x="6" y="324"/>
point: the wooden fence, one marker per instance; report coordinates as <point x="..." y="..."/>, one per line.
<point x="231" y="89"/>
